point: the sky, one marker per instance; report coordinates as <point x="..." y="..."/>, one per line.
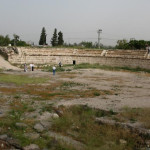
<point x="79" y="20"/>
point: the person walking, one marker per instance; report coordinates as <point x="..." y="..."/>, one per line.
<point x="54" y="69"/>
<point x="60" y="64"/>
<point x="32" y="67"/>
<point x="25" y="67"/>
<point x="148" y="50"/>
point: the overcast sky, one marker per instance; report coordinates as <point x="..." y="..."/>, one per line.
<point x="79" y="20"/>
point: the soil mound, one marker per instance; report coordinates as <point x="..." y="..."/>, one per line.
<point x="4" y="64"/>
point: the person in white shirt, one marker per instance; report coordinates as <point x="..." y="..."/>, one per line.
<point x="54" y="69"/>
<point x="31" y="66"/>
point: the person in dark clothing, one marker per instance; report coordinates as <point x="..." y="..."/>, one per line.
<point x="60" y="64"/>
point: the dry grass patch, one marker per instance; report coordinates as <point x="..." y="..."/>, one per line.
<point x="64" y="91"/>
<point x="141" y="115"/>
<point x="79" y="123"/>
<point x="7" y="90"/>
<point x="2" y="101"/>
<point x="70" y="76"/>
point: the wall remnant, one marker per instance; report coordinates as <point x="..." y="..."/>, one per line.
<point x="120" y="58"/>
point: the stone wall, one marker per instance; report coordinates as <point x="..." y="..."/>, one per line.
<point x="119" y="58"/>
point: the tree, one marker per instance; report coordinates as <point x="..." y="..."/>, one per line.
<point x="132" y="44"/>
<point x="60" y="38"/>
<point x="54" y="40"/>
<point x="4" y="41"/>
<point x="16" y="39"/>
<point x="122" y="44"/>
<point x="42" y="40"/>
<point x="86" y="44"/>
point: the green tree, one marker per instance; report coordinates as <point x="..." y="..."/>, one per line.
<point x="86" y="44"/>
<point x="60" y="38"/>
<point x="54" y="40"/>
<point x="4" y="41"/>
<point x="22" y="43"/>
<point x="132" y="44"/>
<point x="15" y="40"/>
<point x="42" y="40"/>
<point x="122" y="44"/>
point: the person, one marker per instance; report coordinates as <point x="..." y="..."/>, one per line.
<point x="54" y="69"/>
<point x="60" y="64"/>
<point x="148" y="51"/>
<point x="31" y="66"/>
<point x="25" y="67"/>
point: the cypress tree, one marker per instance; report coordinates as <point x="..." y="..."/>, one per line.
<point x="60" y="38"/>
<point x="42" y="40"/>
<point x="54" y="40"/>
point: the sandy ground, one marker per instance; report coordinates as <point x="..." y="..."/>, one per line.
<point x="6" y="65"/>
<point x="132" y="89"/>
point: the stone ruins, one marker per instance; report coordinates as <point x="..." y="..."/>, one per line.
<point x="37" y="55"/>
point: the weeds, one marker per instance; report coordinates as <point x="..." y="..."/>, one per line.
<point x="48" y="108"/>
<point x="20" y="79"/>
<point x="136" y="114"/>
<point x="71" y="84"/>
<point x="80" y="119"/>
<point x="50" y="69"/>
<point x="104" y="67"/>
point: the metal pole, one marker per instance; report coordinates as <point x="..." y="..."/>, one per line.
<point x="99" y="31"/>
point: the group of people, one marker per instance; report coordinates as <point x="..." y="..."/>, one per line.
<point x="26" y="68"/>
<point x="148" y="51"/>
<point x="54" y="68"/>
<point x="32" y="67"/>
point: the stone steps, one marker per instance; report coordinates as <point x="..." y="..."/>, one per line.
<point x="126" y="53"/>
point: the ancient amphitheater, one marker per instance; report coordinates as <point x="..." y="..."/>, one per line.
<point x="120" y="58"/>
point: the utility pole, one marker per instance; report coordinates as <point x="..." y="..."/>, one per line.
<point x="99" y="32"/>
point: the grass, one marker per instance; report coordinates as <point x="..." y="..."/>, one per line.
<point x="104" y="67"/>
<point x="1" y="70"/>
<point x="56" y="90"/>
<point x="20" y="79"/>
<point x="14" y="116"/>
<point x="9" y="127"/>
<point x="47" y="108"/>
<point x="94" y="66"/>
<point x="71" y="84"/>
<point x="50" y="69"/>
<point x="76" y="121"/>
<point x="135" y="115"/>
<point x="81" y="120"/>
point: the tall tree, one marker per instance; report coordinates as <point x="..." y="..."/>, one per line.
<point x="54" y="40"/>
<point x="4" y="41"/>
<point x="16" y="39"/>
<point x="60" y="38"/>
<point x="42" y="40"/>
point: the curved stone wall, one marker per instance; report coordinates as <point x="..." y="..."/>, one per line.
<point x="121" y="58"/>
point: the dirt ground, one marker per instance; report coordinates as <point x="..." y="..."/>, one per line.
<point x="6" y="65"/>
<point x="34" y="110"/>
<point x="130" y="89"/>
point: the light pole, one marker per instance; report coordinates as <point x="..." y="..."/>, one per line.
<point x="99" y="32"/>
